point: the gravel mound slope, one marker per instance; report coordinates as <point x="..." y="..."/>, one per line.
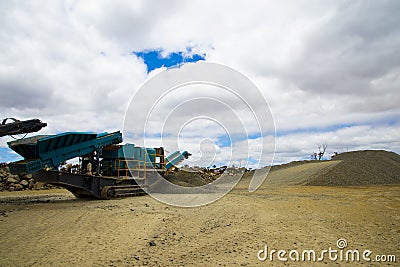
<point x="367" y="167"/>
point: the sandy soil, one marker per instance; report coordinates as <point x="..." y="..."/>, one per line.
<point x="52" y="228"/>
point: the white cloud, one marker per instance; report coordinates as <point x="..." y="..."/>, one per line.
<point x="321" y="65"/>
<point x="297" y="146"/>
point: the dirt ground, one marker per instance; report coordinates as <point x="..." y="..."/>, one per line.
<point x="52" y="228"/>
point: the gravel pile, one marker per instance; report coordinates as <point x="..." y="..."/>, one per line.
<point x="290" y="164"/>
<point x="368" y="167"/>
<point x="190" y="179"/>
<point x="11" y="182"/>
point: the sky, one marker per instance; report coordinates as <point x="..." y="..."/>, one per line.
<point x="329" y="70"/>
<point x="155" y="59"/>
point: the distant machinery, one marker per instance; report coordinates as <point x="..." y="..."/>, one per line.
<point x="107" y="169"/>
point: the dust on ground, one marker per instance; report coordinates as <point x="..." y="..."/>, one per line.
<point x="140" y="231"/>
<point x="52" y="228"/>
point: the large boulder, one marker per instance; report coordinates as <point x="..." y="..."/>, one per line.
<point x="27" y="177"/>
<point x="11" y="180"/>
<point x="31" y="184"/>
<point x="18" y="187"/>
<point x="3" y="173"/>
<point x="24" y="183"/>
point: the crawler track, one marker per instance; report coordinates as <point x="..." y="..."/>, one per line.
<point x="117" y="191"/>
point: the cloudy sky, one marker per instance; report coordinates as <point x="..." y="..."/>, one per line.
<point x="330" y="70"/>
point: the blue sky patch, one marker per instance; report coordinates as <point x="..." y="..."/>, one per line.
<point x="7" y="155"/>
<point x="154" y="58"/>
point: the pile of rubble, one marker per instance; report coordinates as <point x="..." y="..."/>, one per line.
<point x="197" y="176"/>
<point x="368" y="167"/>
<point x="11" y="182"/>
<point x="209" y="176"/>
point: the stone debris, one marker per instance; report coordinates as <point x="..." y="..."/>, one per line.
<point x="12" y="182"/>
<point x="368" y="167"/>
<point x="196" y="176"/>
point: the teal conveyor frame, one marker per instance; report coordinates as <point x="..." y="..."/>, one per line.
<point x="43" y="151"/>
<point x="175" y="158"/>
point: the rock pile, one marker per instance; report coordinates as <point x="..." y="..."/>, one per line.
<point x="13" y="182"/>
<point x="200" y="176"/>
<point x="185" y="178"/>
<point x="368" y="167"/>
<point x="192" y="178"/>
